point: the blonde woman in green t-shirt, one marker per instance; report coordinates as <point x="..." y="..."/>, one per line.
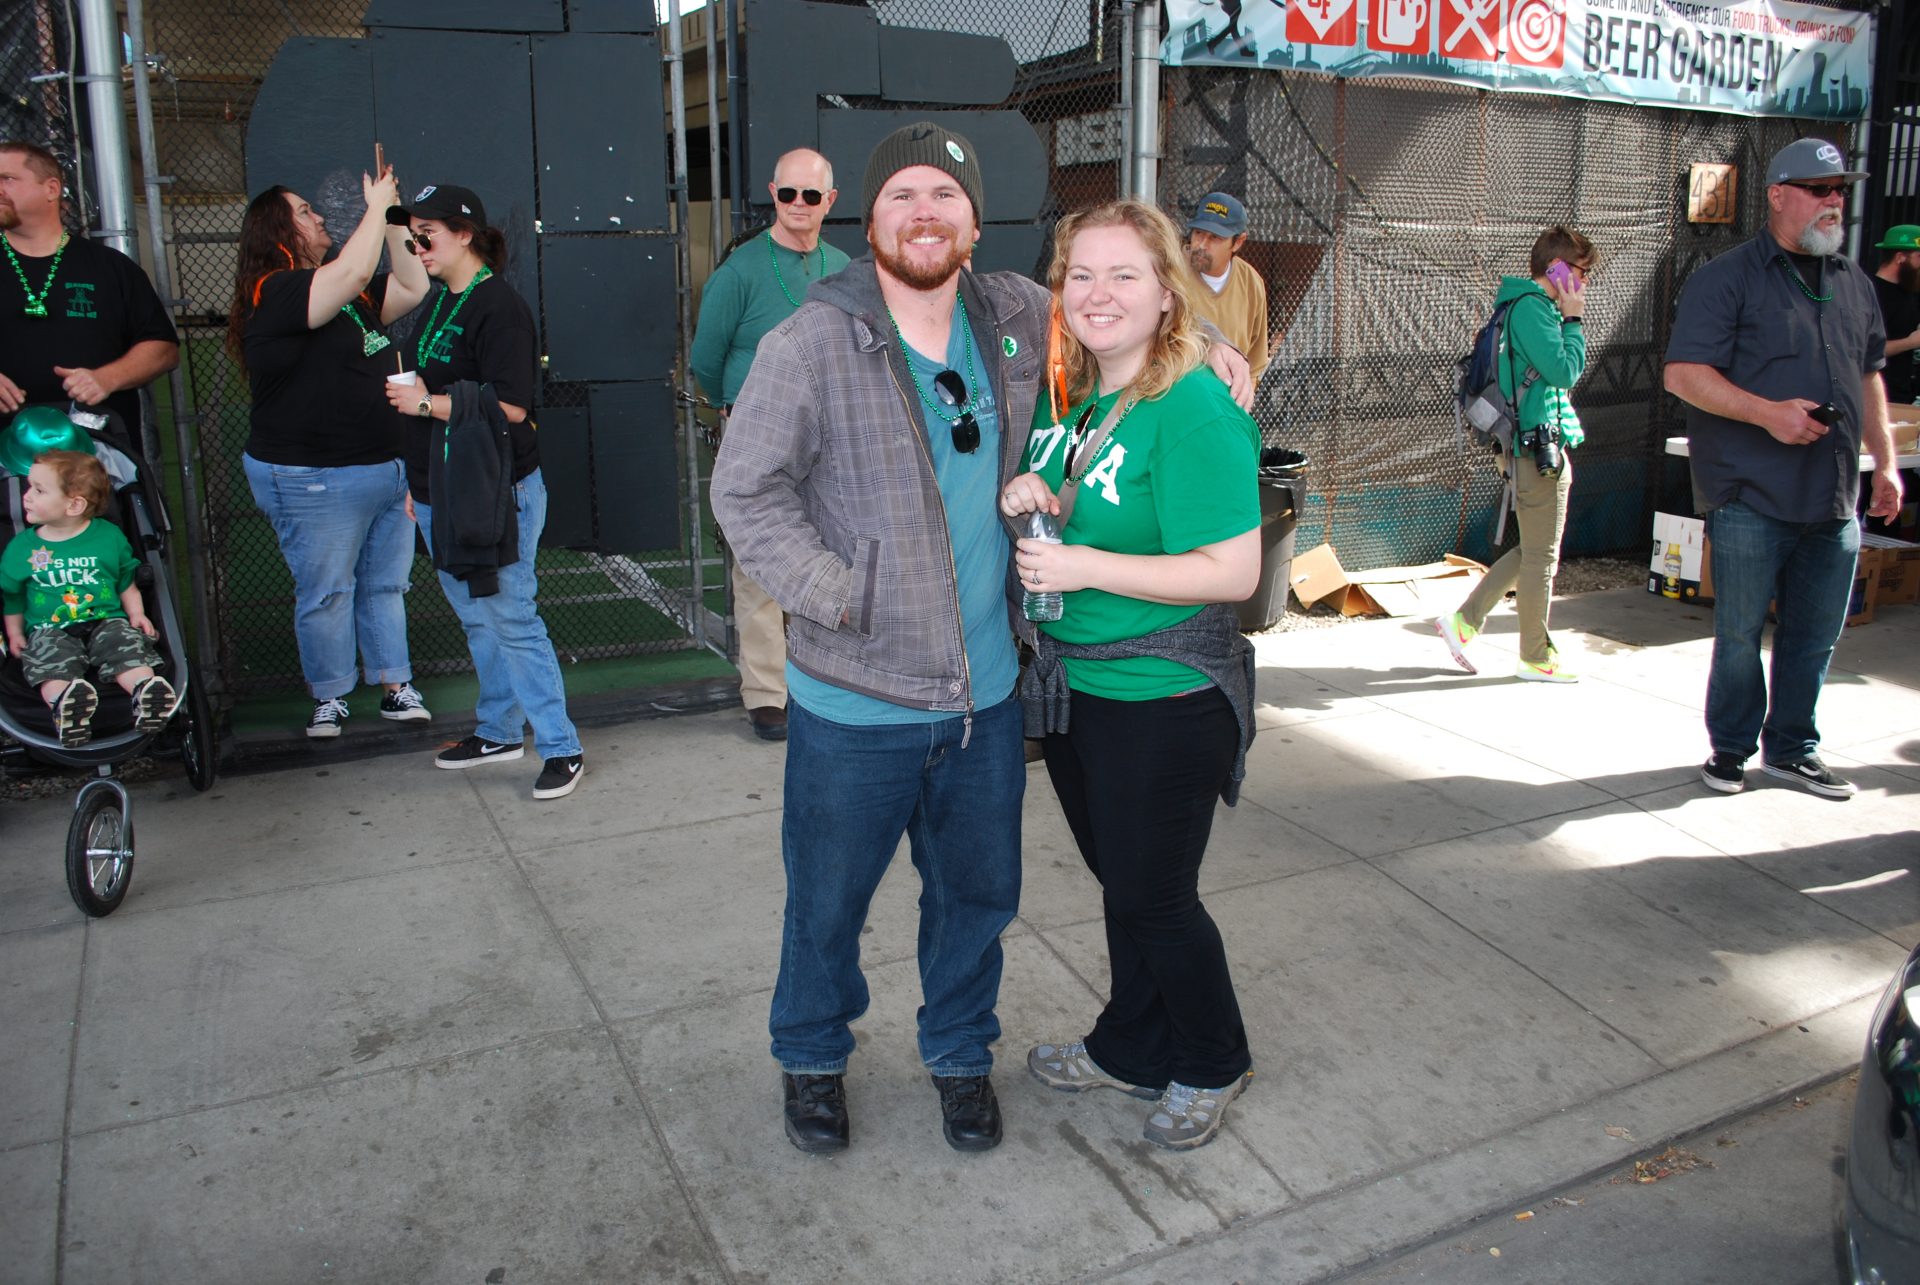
<point x="1143" y="691"/>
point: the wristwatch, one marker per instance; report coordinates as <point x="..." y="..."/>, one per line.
<point x="425" y="405"/>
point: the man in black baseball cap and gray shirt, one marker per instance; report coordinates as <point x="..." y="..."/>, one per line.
<point x="1777" y="349"/>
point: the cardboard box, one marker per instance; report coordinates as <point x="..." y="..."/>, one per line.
<point x="1678" y="565"/>
<point x="1866" y="587"/>
<point x="1428" y="589"/>
<point x="1899" y="577"/>
<point x="1905" y="422"/>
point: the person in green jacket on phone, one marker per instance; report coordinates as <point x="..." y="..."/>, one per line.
<point x="1543" y="350"/>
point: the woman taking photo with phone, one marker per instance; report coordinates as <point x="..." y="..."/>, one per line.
<point x="479" y="333"/>
<point x="1143" y="690"/>
<point x="323" y="449"/>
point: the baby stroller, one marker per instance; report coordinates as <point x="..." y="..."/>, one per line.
<point x="100" y="837"/>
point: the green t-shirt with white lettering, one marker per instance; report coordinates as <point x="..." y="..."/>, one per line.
<point x="66" y="582"/>
<point x="1176" y="473"/>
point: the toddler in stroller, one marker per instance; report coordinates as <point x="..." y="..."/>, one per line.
<point x="135" y="712"/>
<point x="69" y="578"/>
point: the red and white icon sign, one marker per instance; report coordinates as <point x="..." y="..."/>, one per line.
<point x="1400" y="26"/>
<point x="1537" y="32"/>
<point x="1323" y="22"/>
<point x="1471" y="28"/>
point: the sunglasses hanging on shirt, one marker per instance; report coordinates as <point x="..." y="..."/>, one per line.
<point x="952" y="392"/>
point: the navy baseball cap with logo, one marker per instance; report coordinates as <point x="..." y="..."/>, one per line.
<point x="1220" y="214"/>
<point x="1809" y="160"/>
<point x="440" y="202"/>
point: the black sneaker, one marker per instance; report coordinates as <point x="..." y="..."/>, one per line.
<point x="558" y="777"/>
<point x="405" y="705"/>
<point x="1811" y="773"/>
<point x="328" y="715"/>
<point x="1725" y="772"/>
<point x="475" y="750"/>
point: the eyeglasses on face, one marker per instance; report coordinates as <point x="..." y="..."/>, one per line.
<point x="1820" y="191"/>
<point x="787" y="195"/>
<point x="952" y="391"/>
<point x="424" y="240"/>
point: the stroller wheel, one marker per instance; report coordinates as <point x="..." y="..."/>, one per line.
<point x="99" y="852"/>
<point x="199" y="746"/>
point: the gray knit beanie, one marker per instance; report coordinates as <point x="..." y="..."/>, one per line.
<point x="923" y="143"/>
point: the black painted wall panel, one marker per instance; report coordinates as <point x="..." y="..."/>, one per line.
<point x="802" y="50"/>
<point x="611" y="15"/>
<point x="438" y="129"/>
<point x="566" y="466"/>
<point x="313" y="128"/>
<point x="467" y="15"/>
<point x="603" y="154"/>
<point x="635" y="463"/>
<point x="922" y="66"/>
<point x="611" y="307"/>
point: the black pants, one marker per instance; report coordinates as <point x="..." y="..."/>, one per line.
<point x="1138" y="781"/>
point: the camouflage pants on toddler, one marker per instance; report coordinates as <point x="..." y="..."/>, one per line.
<point x="68" y="651"/>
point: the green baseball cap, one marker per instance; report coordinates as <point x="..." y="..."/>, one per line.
<point x="35" y="430"/>
<point x="1905" y="236"/>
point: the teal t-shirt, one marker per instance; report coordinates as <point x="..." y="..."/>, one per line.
<point x="969" y="488"/>
<point x="1177" y="472"/>
<point x="759" y="286"/>
<point x="66" y="582"/>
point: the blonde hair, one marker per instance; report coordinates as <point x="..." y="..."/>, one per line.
<point x="1177" y="348"/>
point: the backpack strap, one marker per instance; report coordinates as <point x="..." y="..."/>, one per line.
<point x="1520" y="386"/>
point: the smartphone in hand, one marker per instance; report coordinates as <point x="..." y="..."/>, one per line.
<point x="1826" y="413"/>
<point x="1562" y="276"/>
<point x="379" y="160"/>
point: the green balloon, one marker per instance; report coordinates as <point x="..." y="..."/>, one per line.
<point x="35" y="430"/>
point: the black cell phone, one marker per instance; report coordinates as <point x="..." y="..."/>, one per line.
<point x="1827" y="413"/>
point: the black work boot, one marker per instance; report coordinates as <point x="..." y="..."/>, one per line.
<point x="969" y="1112"/>
<point x="816" y="1110"/>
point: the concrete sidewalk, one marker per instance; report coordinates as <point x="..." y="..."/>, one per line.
<point x="374" y="1022"/>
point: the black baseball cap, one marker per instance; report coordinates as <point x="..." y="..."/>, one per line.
<point x="440" y="202"/>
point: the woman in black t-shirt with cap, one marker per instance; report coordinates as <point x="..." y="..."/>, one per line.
<point x="479" y="330"/>
<point x="322" y="456"/>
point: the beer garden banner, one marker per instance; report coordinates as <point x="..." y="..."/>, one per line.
<point x="1755" y="57"/>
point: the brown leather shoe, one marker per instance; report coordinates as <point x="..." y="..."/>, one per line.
<point x="769" y="722"/>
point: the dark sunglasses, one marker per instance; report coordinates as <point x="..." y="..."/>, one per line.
<point x="952" y="391"/>
<point x="1820" y="191"/>
<point x="424" y="241"/>
<point x="811" y="195"/>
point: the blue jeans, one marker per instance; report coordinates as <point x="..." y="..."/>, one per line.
<point x="851" y="793"/>
<point x="519" y="675"/>
<point x="1806" y="570"/>
<point x="345" y="538"/>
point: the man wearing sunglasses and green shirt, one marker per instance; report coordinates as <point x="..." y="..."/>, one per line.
<point x="755" y="288"/>
<point x="1777" y="349"/>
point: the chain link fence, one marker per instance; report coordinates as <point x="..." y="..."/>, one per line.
<point x="1384" y="213"/>
<point x="209" y="63"/>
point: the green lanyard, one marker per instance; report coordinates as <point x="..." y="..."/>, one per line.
<point x="430" y="337"/>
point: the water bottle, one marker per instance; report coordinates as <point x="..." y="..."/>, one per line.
<point x="1042" y="606"/>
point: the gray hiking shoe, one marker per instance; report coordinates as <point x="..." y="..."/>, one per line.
<point x="1068" y="1068"/>
<point x="1186" y="1117"/>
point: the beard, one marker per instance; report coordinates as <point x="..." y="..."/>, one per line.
<point x="1822" y="241"/>
<point x="1910" y="277"/>
<point x="9" y="217"/>
<point x="1203" y="263"/>
<point x="918" y="276"/>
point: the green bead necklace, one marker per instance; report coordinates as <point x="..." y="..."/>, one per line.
<point x="430" y="337"/>
<point x="371" y="341"/>
<point x="1801" y="281"/>
<point x="774" y="255"/>
<point x="966" y="336"/>
<point x="36" y="304"/>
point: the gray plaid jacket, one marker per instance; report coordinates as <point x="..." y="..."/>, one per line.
<point x="825" y="487"/>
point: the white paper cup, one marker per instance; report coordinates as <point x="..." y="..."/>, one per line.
<point x="405" y="377"/>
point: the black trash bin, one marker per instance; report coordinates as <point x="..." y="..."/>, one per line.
<point x="1283" y="489"/>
